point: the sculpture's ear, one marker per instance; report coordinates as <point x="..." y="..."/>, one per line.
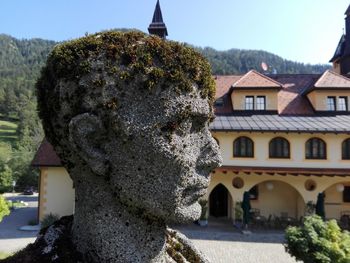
<point x="87" y="134"/>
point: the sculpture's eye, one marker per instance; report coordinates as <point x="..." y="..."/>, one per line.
<point x="184" y="127"/>
<point x="181" y="127"/>
<point x="199" y="123"/>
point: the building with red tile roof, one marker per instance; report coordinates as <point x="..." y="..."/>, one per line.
<point x="284" y="138"/>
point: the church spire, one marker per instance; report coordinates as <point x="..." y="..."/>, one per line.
<point x="158" y="27"/>
<point x="341" y="57"/>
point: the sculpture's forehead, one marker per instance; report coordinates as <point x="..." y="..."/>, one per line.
<point x="188" y="104"/>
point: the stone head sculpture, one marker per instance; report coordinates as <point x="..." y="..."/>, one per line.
<point x="129" y="114"/>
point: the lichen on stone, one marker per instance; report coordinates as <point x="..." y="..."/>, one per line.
<point x="115" y="60"/>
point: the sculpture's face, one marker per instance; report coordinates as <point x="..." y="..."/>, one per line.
<point x="162" y="164"/>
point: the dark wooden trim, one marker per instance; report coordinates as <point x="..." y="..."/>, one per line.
<point x="282" y="131"/>
<point x="39" y="194"/>
<point x="287" y="170"/>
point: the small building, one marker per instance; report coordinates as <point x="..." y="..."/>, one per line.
<point x="56" y="192"/>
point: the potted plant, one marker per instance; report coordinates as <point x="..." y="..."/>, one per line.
<point x="203" y="220"/>
<point x="238" y="215"/>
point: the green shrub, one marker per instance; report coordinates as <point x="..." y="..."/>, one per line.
<point x="317" y="241"/>
<point x="4" y="208"/>
<point x="48" y="220"/>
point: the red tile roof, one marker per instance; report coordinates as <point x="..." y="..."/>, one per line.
<point x="256" y="80"/>
<point x="330" y="79"/>
<point x="224" y="83"/>
<point x="291" y="98"/>
<point x="46" y="156"/>
<point x="223" y="86"/>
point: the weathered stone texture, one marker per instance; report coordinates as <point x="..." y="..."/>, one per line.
<point x="128" y="114"/>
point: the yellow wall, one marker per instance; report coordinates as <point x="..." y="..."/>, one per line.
<point x="318" y="98"/>
<point x="288" y="195"/>
<point x="286" y="202"/>
<point x="238" y="98"/>
<point x="334" y="204"/>
<point x="297" y="150"/>
<point x="56" y="192"/>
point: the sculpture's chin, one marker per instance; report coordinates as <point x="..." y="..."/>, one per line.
<point x="187" y="214"/>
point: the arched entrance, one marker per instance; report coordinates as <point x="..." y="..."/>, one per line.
<point x="274" y="198"/>
<point x="337" y="200"/>
<point x="218" y="201"/>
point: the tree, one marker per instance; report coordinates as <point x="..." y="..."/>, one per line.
<point x="4" y="209"/>
<point x="5" y="178"/>
<point x="5" y="152"/>
<point x="317" y="241"/>
<point x="5" y="170"/>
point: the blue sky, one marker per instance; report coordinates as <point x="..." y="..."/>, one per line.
<point x="301" y="30"/>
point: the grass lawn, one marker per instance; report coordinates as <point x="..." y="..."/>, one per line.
<point x="17" y="204"/>
<point x="4" y="255"/>
<point x="8" y="132"/>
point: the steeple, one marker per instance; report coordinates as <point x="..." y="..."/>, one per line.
<point x="341" y="57"/>
<point x="158" y="27"/>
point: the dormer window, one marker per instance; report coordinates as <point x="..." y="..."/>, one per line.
<point x="342" y="103"/>
<point x="260" y="103"/>
<point x="255" y="103"/>
<point x="219" y="102"/>
<point x="249" y="102"/>
<point x="331" y="103"/>
<point x="255" y="92"/>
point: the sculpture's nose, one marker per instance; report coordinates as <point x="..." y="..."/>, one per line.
<point x="210" y="157"/>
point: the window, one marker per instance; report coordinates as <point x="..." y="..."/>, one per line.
<point x="249" y="103"/>
<point x="243" y="147"/>
<point x="219" y="102"/>
<point x="315" y="148"/>
<point x="260" y="103"/>
<point x="345" y="149"/>
<point x="346" y="194"/>
<point x="279" y="148"/>
<point x="343" y="104"/>
<point x="331" y="103"/>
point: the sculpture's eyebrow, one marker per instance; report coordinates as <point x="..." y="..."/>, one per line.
<point x="188" y="113"/>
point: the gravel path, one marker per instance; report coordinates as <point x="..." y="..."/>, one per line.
<point x="12" y="239"/>
<point x="225" y="245"/>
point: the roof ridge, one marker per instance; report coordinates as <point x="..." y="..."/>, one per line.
<point x="253" y="71"/>
<point x="329" y="71"/>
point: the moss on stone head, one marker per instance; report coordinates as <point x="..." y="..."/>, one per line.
<point x="134" y="52"/>
<point x="132" y="57"/>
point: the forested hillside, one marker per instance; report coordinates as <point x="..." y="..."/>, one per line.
<point x="20" y="64"/>
<point x="237" y="61"/>
<point x="21" y="60"/>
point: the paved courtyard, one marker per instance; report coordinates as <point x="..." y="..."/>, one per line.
<point x="11" y="238"/>
<point x="223" y="244"/>
<point x="219" y="241"/>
